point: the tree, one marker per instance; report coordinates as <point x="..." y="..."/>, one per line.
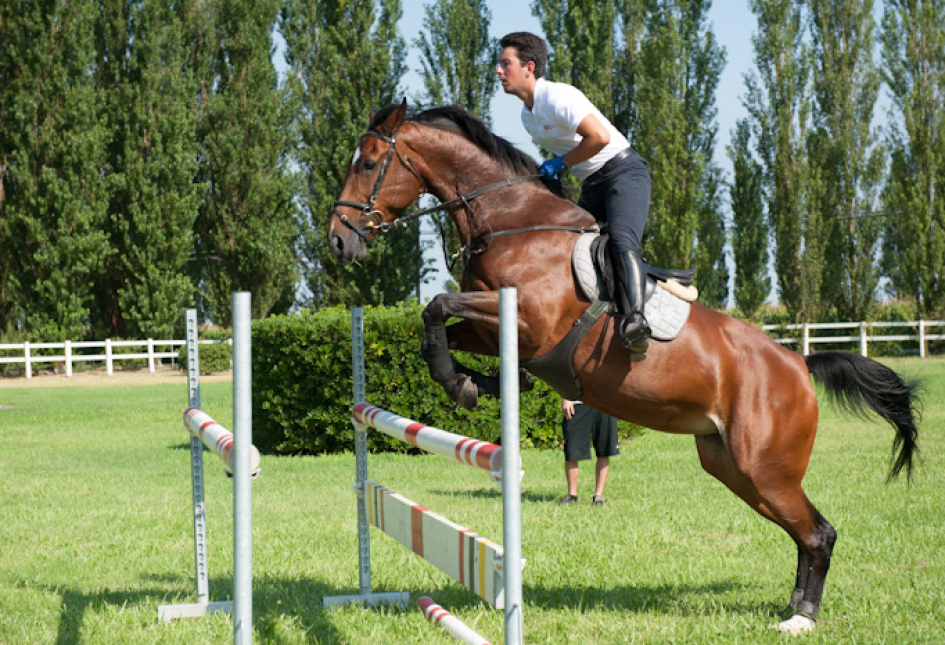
<point x="458" y="59"/>
<point x="913" y="38"/>
<point x="749" y="231"/>
<point x="778" y="109"/>
<point x="845" y="153"/>
<point x="151" y="164"/>
<point x="581" y="37"/>
<point x="457" y="56"/>
<point x="345" y="58"/>
<point x="679" y="63"/>
<point x="52" y="149"/>
<point x="248" y="226"/>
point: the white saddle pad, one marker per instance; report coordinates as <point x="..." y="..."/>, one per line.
<point x="665" y="312"/>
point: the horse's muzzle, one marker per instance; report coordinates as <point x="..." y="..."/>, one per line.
<point x="346" y="246"/>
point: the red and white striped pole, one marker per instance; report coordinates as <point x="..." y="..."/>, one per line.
<point x="216" y="438"/>
<point x="439" y="616"/>
<point x="472" y="452"/>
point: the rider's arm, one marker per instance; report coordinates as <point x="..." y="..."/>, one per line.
<point x="594" y="137"/>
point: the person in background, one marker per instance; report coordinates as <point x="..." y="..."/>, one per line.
<point x="616" y="182"/>
<point x="583" y="426"/>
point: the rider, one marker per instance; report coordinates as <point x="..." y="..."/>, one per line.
<point x="616" y="189"/>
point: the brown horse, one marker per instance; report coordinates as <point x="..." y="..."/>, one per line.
<point x="748" y="401"/>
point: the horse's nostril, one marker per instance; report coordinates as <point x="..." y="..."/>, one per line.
<point x="337" y="244"/>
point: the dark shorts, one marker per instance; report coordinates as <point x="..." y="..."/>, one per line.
<point x="589" y="426"/>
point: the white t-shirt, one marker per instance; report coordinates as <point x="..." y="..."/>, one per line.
<point x="553" y="121"/>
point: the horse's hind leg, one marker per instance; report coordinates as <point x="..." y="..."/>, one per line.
<point x="776" y="494"/>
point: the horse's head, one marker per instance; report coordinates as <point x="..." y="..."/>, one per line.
<point x="381" y="182"/>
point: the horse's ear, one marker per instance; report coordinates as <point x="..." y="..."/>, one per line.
<point x="400" y="114"/>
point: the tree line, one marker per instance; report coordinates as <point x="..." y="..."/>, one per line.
<point x="152" y="157"/>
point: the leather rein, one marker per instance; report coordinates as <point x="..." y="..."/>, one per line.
<point x="370" y="211"/>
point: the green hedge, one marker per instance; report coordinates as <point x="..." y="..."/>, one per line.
<point x="302" y="385"/>
<point x="214" y="358"/>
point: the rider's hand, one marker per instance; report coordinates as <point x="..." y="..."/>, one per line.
<point x="553" y="168"/>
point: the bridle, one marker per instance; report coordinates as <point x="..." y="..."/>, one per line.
<point x="368" y="209"/>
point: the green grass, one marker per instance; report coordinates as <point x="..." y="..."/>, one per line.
<point x="96" y="532"/>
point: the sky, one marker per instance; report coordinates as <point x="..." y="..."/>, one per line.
<point x="730" y="20"/>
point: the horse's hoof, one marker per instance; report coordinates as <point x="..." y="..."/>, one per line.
<point x="526" y="382"/>
<point x="464" y="391"/>
<point x="796" y="625"/>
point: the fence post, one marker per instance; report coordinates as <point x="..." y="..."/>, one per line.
<point x="805" y="340"/>
<point x="921" y="338"/>
<point x="26" y="358"/>
<point x="863" y="348"/>
<point x="151" y="355"/>
<point x="68" y="353"/>
<point x="109" y="365"/>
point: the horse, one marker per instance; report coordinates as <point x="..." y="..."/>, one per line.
<point x="748" y="401"/>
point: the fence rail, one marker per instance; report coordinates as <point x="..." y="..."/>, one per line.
<point x="918" y="332"/>
<point x="154" y="350"/>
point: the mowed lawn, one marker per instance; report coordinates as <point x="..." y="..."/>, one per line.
<point x="96" y="532"/>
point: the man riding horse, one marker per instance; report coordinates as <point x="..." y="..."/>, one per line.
<point x="616" y="188"/>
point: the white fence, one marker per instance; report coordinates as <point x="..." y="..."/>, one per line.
<point x="154" y="350"/>
<point x="866" y="332"/>
<point x="917" y="331"/>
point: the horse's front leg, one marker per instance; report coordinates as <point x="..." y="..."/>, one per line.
<point x="476" y="333"/>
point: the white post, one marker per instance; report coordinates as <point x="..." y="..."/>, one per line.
<point x="242" y="477"/>
<point x="68" y="353"/>
<point x="109" y="365"/>
<point x="26" y="358"/>
<point x="151" y="355"/>
<point x="805" y="340"/>
<point x="863" y="349"/>
<point x="921" y="339"/>
<point x="511" y="460"/>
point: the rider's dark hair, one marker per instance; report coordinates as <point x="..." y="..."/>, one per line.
<point x="529" y="48"/>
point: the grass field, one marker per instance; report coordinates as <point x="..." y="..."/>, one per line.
<point x="96" y="532"/>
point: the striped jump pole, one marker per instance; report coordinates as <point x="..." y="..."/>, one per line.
<point x="217" y="438"/>
<point x="472" y="452"/>
<point x="439" y="616"/>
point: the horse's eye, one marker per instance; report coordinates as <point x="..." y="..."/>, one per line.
<point x="369" y="164"/>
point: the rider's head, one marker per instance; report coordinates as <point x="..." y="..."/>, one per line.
<point x="529" y="48"/>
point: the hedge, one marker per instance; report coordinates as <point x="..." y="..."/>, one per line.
<point x="302" y="385"/>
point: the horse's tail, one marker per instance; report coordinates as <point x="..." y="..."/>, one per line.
<point x="855" y="382"/>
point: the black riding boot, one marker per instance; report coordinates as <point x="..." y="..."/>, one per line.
<point x="631" y="287"/>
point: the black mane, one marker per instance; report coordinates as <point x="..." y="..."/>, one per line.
<point x="456" y="118"/>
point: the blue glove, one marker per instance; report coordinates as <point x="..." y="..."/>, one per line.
<point x="553" y="168"/>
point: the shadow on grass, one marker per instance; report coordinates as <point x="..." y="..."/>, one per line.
<point x="299" y="600"/>
<point x="496" y="494"/>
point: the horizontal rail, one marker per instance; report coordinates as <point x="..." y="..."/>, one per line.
<point x="472" y="452"/>
<point x="217" y="438"/>
<point x="69" y="357"/>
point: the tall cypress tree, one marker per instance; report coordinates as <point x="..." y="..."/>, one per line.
<point x="778" y="107"/>
<point x="345" y="57"/>
<point x="248" y="227"/>
<point x="679" y="63"/>
<point x="846" y="153"/>
<point x="749" y="231"/>
<point x="458" y="59"/>
<point x="151" y="165"/>
<point x="52" y="149"/>
<point x="913" y="38"/>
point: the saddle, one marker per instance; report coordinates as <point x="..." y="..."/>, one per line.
<point x="669" y="295"/>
